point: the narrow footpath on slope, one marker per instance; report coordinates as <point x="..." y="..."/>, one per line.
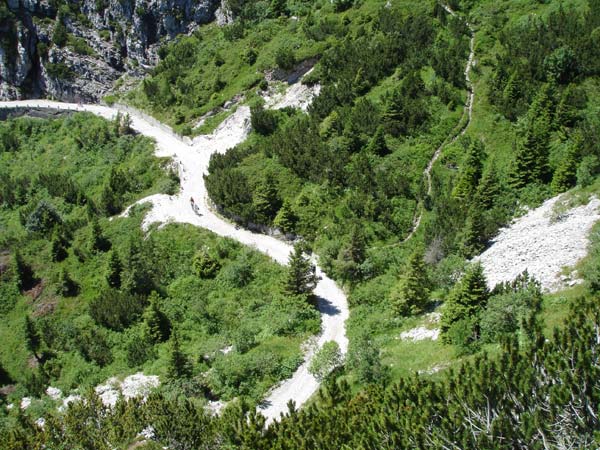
<point x="192" y="160"/>
<point x="458" y="131"/>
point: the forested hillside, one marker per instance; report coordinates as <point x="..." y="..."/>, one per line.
<point x="348" y="176"/>
<point x="401" y="171"/>
<point x="85" y="298"/>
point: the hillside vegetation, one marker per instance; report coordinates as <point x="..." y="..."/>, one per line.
<point x="513" y="368"/>
<point x="85" y="297"/>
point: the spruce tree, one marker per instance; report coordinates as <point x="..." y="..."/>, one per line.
<point x="114" y="270"/>
<point x="566" y="111"/>
<point x="474" y="240"/>
<point x="352" y="255"/>
<point x="178" y="365"/>
<point x="411" y="294"/>
<point x="204" y="265"/>
<point x="60" y="34"/>
<point x="531" y="162"/>
<point x="470" y="172"/>
<point x="158" y="326"/>
<point x="97" y="241"/>
<point x="136" y="276"/>
<point x="466" y="300"/>
<point x="67" y="287"/>
<point x="33" y="341"/>
<point x="488" y="189"/>
<point x="265" y="201"/>
<point x="377" y="145"/>
<point x="510" y="96"/>
<point x="109" y="203"/>
<point x="360" y="84"/>
<point x="565" y="175"/>
<point x="4" y="376"/>
<point x="301" y="278"/>
<point x="278" y="8"/>
<point x="58" y="246"/>
<point x="23" y="273"/>
<point x="285" y="219"/>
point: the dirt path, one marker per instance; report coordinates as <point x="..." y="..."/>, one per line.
<point x="458" y="131"/>
<point x="193" y="163"/>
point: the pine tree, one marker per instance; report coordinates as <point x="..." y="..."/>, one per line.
<point x="33" y="341"/>
<point x="22" y="271"/>
<point x="205" y="266"/>
<point x="565" y="175"/>
<point x="158" y="326"/>
<point x="66" y="286"/>
<point x="488" y="189"/>
<point x="285" y="219"/>
<point x="377" y="144"/>
<point x="114" y="270"/>
<point x="265" y="201"/>
<point x="470" y="172"/>
<point x="58" y="246"/>
<point x="97" y="241"/>
<point x="467" y="299"/>
<point x="474" y="234"/>
<point x="178" y="366"/>
<point x="301" y="278"/>
<point x="411" y="294"/>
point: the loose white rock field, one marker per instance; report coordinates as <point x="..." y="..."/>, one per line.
<point x="543" y="242"/>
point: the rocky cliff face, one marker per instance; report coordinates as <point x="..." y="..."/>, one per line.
<point x="75" y="50"/>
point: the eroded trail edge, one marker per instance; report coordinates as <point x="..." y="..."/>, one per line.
<point x="192" y="158"/>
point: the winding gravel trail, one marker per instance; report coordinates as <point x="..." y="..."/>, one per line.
<point x="460" y="128"/>
<point x="193" y="160"/>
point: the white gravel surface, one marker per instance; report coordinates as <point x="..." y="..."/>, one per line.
<point x="541" y="243"/>
<point x="420" y="333"/>
<point x="133" y="386"/>
<point x="25" y="403"/>
<point x="68" y="400"/>
<point x="54" y="393"/>
<point x="193" y="162"/>
<point x="297" y="95"/>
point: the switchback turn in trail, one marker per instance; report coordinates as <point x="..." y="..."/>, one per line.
<point x="192" y="160"/>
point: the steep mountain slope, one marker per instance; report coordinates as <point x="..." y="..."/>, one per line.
<point x="77" y="50"/>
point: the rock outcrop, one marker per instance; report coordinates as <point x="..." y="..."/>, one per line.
<point x="75" y="50"/>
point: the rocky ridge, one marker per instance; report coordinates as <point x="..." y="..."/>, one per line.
<point x="76" y="50"/>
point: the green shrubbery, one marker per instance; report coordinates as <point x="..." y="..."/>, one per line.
<point x="109" y="299"/>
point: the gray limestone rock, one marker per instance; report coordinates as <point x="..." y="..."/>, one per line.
<point x="123" y="35"/>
